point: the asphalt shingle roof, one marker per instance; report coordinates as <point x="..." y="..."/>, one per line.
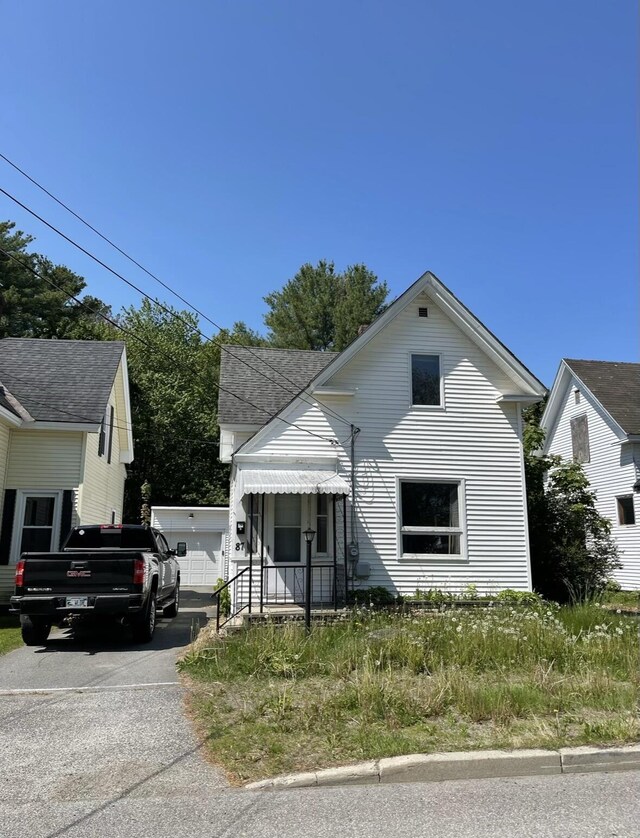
<point x="251" y="374"/>
<point x="616" y="385"/>
<point x="60" y="380"/>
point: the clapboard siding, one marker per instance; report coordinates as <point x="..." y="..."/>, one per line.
<point x="45" y="460"/>
<point x="611" y="472"/>
<point x="473" y="439"/>
<point x="102" y="488"/>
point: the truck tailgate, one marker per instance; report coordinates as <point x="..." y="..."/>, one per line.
<point x="78" y="572"/>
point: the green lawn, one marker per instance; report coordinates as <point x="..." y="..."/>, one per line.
<point x="272" y="699"/>
<point x="9" y="634"/>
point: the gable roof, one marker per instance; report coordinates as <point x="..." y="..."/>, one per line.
<point x="59" y="380"/>
<point x="615" y="385"/>
<point x="252" y="373"/>
<point x="462" y="316"/>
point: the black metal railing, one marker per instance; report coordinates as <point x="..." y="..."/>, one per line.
<point x="285" y="585"/>
<point x="234" y="585"/>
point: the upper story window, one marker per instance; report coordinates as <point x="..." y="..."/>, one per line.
<point x="626" y="512"/>
<point x="580" y="439"/>
<point x="105" y="441"/>
<point x="430" y="518"/>
<point x="426" y="380"/>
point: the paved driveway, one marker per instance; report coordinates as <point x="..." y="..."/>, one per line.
<point x="87" y="720"/>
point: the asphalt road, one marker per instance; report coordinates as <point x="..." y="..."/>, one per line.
<point x="120" y="729"/>
<point x="114" y="755"/>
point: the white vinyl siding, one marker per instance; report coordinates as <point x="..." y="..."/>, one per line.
<point x="611" y="472"/>
<point x="474" y="439"/>
<point x="45" y="460"/>
<point x="102" y="490"/>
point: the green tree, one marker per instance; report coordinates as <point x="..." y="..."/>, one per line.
<point x="174" y="401"/>
<point x="320" y="308"/>
<point x="572" y="551"/>
<point x="30" y="307"/>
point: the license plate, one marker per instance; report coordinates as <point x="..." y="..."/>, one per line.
<point x="77" y="601"/>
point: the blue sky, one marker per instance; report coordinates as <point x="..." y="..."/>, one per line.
<point x="225" y="143"/>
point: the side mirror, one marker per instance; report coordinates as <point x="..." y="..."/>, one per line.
<point x="181" y="549"/>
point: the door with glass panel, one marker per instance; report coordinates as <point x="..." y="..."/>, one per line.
<point x="38" y="524"/>
<point x="288" y="578"/>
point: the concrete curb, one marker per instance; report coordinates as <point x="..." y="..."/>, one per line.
<point x="464" y="765"/>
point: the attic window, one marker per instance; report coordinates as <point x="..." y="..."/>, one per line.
<point x="423" y="312"/>
<point x="580" y="439"/>
<point x="576" y="396"/>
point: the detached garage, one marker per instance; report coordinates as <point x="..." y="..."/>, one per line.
<point x="204" y="530"/>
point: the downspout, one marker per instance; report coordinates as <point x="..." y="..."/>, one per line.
<point x="354" y="549"/>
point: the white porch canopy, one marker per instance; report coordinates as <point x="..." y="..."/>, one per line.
<point x="290" y="482"/>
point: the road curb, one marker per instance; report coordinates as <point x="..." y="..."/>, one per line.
<point x="462" y="765"/>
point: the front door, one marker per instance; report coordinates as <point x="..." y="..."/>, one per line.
<point x="287" y="581"/>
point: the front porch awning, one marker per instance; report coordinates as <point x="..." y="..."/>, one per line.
<point x="290" y="482"/>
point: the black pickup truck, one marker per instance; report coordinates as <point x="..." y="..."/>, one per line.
<point x="123" y="571"/>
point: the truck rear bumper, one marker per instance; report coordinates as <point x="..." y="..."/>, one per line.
<point x="56" y="606"/>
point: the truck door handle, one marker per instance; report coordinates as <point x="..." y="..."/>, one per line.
<point x="78" y="565"/>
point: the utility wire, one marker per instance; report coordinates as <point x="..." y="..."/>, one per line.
<point x="298" y="390"/>
<point x="155" y="348"/>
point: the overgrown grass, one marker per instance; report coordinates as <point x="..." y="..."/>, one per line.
<point x="9" y="634"/>
<point x="274" y="699"/>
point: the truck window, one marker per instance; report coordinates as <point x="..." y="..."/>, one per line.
<point x="119" y="538"/>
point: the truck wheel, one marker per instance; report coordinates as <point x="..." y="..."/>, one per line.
<point x="34" y="631"/>
<point x="172" y="610"/>
<point x="143" y="630"/>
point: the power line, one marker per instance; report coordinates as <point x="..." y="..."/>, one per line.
<point x="154" y="349"/>
<point x="298" y="390"/>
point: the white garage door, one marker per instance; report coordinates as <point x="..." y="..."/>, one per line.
<point x="203" y="563"/>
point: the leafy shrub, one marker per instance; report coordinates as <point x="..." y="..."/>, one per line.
<point x="434" y="595"/>
<point x="224" y="603"/>
<point x="374" y="597"/>
<point x="521" y="597"/>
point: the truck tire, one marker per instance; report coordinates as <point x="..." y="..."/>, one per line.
<point x="172" y="610"/>
<point x="144" y="628"/>
<point x="34" y="630"/>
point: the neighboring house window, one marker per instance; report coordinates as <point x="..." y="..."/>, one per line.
<point x="430" y="521"/>
<point x="113" y="516"/>
<point x="110" y="437"/>
<point x="38" y="523"/>
<point x="105" y="440"/>
<point x="426" y="384"/>
<point x="626" y="512"/>
<point x="322" y="523"/>
<point x="287" y="529"/>
<point x="580" y="439"/>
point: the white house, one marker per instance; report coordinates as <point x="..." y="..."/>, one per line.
<point x="403" y="455"/>
<point x="593" y="415"/>
<point x="204" y="530"/>
<point x="65" y="439"/>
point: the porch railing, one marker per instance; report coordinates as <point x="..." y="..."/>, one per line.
<point x="234" y="586"/>
<point x="284" y="585"/>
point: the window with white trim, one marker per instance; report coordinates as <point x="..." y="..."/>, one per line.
<point x="431" y="518"/>
<point x="38" y="523"/>
<point x="426" y="384"/>
<point x="626" y="512"/>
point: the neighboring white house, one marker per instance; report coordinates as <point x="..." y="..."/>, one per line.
<point x="204" y="530"/>
<point x="593" y="415"/>
<point x="65" y="437"/>
<point x="403" y="454"/>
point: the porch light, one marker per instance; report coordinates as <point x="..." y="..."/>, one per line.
<point x="309" y="535"/>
